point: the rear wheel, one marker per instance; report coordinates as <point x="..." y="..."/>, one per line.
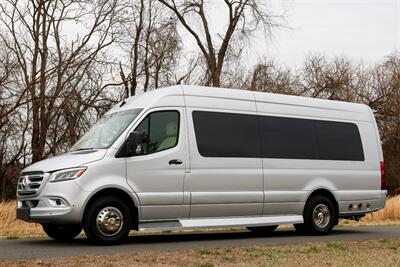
<point x="107" y="221"/>
<point x="263" y="229"/>
<point x="319" y="216"/>
<point x="62" y="232"/>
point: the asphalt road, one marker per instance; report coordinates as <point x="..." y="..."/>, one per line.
<point x="46" y="248"/>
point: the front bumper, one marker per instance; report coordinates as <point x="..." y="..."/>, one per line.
<point x="24" y="213"/>
<point x="61" y="202"/>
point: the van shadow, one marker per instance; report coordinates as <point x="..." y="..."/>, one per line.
<point x="203" y="236"/>
<point x="220" y="235"/>
<point x="179" y="237"/>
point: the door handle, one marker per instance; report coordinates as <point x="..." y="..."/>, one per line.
<point x="175" y="162"/>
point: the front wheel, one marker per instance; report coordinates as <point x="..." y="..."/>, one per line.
<point x="62" y="232"/>
<point x="319" y="216"/>
<point x="107" y="221"/>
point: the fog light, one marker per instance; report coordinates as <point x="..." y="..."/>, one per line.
<point x="58" y="202"/>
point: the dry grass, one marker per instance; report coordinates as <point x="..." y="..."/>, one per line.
<point x="361" y="253"/>
<point x="391" y="212"/>
<point x="11" y="228"/>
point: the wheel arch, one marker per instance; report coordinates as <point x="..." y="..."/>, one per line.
<point x="328" y="194"/>
<point x="119" y="193"/>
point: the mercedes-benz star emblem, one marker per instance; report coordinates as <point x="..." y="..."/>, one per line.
<point x="24" y="182"/>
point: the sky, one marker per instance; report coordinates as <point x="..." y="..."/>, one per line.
<point x="362" y="30"/>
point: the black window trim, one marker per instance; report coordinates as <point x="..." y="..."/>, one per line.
<point x="358" y="134"/>
<point x="229" y="113"/>
<point x="259" y="116"/>
<point x="145" y="117"/>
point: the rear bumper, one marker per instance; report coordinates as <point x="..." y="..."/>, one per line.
<point x="363" y="206"/>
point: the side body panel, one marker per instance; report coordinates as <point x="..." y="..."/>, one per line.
<point x="222" y="186"/>
<point x="289" y="182"/>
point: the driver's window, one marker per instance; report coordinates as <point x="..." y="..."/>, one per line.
<point x="159" y="131"/>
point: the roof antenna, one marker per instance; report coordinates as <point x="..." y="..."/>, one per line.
<point x="123" y="103"/>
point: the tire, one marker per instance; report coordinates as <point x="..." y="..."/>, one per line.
<point x="319" y="216"/>
<point x="263" y="229"/>
<point x="300" y="228"/>
<point x="107" y="221"/>
<point x="62" y="232"/>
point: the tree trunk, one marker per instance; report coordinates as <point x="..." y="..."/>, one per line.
<point x="216" y="78"/>
<point x="139" y="29"/>
<point x="35" y="128"/>
<point x="3" y="188"/>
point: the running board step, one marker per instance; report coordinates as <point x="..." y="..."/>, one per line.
<point x="222" y="222"/>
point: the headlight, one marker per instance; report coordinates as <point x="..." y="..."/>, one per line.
<point x="67" y="174"/>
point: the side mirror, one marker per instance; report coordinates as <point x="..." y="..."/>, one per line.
<point x="131" y="147"/>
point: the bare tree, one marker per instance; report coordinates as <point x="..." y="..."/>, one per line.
<point x="384" y="83"/>
<point x="153" y="47"/>
<point x="53" y="67"/>
<point x="11" y="97"/>
<point x="12" y="126"/>
<point x="331" y="80"/>
<point x="269" y="77"/>
<point x="244" y="18"/>
<point x="139" y="21"/>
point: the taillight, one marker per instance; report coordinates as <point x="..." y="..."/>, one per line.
<point x="383" y="182"/>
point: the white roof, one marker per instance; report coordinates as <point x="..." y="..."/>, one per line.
<point x="220" y="98"/>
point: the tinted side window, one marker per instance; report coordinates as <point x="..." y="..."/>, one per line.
<point x="227" y="134"/>
<point x="288" y="138"/>
<point x="159" y="131"/>
<point x="339" y="141"/>
<point x="292" y="138"/>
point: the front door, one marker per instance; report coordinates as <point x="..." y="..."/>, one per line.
<point x="157" y="172"/>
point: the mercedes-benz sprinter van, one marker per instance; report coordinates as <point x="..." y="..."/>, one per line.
<point x="189" y="157"/>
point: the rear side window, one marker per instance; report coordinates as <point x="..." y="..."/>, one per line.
<point x="339" y="141"/>
<point x="227" y="134"/>
<point x="288" y="138"/>
<point x="293" y="138"/>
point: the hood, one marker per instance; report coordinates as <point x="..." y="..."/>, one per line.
<point x="67" y="160"/>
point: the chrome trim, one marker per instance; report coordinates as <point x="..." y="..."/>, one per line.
<point x="222" y="222"/>
<point x="321" y="216"/>
<point x="29" y="183"/>
<point x="109" y="221"/>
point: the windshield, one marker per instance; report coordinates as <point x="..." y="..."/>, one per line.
<point x="106" y="130"/>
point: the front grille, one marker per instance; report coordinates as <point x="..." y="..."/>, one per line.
<point x="29" y="183"/>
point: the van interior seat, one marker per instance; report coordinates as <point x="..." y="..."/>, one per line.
<point x="171" y="130"/>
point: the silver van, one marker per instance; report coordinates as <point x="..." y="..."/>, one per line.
<point x="190" y="157"/>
